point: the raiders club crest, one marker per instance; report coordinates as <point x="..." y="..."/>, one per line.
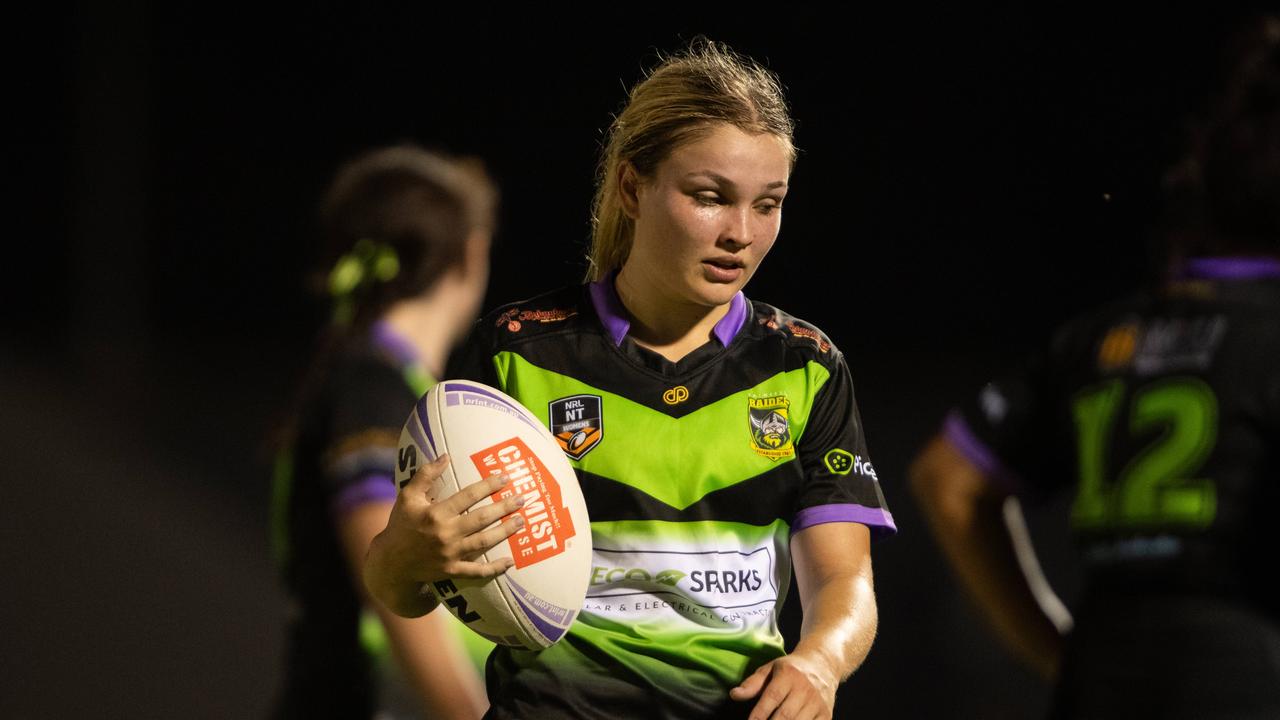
<point x="577" y="423"/>
<point x="770" y="426"/>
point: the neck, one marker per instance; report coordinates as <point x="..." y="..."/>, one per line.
<point x="671" y="329"/>
<point x="429" y="324"/>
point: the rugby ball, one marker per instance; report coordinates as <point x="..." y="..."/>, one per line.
<point x="487" y="432"/>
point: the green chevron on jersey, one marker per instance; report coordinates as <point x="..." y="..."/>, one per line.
<point x="696" y="455"/>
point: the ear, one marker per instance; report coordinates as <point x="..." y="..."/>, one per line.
<point x="629" y="189"/>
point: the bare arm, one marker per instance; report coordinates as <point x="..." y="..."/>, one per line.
<point x="967" y="514"/>
<point x="833" y="575"/>
<point x="426" y="649"/>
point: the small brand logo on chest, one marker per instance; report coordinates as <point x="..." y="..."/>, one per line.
<point x="675" y="395"/>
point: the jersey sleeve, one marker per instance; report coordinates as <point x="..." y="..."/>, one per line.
<point x="1004" y="428"/>
<point x="368" y="405"/>
<point x="840" y="483"/>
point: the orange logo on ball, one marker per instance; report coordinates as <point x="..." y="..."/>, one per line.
<point x="547" y="524"/>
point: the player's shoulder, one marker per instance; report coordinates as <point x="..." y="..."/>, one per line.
<point x="557" y="311"/>
<point x="772" y="324"/>
<point x="359" y="362"/>
<point x="351" y="353"/>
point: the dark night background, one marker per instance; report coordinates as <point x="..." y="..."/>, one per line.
<point x="965" y="183"/>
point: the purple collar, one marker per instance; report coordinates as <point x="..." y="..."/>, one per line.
<point x="1231" y="268"/>
<point x="391" y="343"/>
<point x="616" y="320"/>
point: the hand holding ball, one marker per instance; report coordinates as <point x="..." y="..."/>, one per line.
<point x="503" y="463"/>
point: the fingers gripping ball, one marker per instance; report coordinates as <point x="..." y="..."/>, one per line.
<point x="485" y="432"/>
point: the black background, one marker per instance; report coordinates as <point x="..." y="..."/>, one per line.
<point x="965" y="182"/>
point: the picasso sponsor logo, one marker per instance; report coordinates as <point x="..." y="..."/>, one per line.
<point x="838" y="461"/>
<point x="843" y="462"/>
<point x="863" y="467"/>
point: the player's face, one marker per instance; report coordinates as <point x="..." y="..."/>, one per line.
<point x="709" y="215"/>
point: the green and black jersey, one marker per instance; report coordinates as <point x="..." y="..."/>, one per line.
<point x="1160" y="416"/>
<point x="696" y="473"/>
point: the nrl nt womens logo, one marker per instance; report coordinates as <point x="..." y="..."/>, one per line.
<point x="577" y="423"/>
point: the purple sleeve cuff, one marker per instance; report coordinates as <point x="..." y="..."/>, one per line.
<point x="878" y="520"/>
<point x="957" y="432"/>
<point x="372" y="488"/>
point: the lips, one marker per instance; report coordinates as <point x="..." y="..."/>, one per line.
<point x="722" y="270"/>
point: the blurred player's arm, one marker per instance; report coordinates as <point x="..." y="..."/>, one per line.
<point x="833" y="576"/>
<point x="430" y="656"/>
<point x="967" y="514"/>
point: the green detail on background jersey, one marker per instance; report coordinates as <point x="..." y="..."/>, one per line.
<point x="373" y="636"/>
<point x="417" y="378"/>
<point x="1158" y="485"/>
<point x="704" y="451"/>
<point x="476" y="647"/>
<point x="281" y="490"/>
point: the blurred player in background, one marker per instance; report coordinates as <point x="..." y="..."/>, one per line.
<point x="1160" y="413"/>
<point x="718" y="439"/>
<point x="407" y="234"/>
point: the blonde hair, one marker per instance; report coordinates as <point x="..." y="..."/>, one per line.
<point x="677" y="103"/>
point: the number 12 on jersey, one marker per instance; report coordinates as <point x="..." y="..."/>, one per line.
<point x="1158" y="485"/>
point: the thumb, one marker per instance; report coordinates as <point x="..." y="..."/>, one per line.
<point x="751" y="686"/>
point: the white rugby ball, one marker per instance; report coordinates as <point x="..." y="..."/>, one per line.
<point x="485" y="431"/>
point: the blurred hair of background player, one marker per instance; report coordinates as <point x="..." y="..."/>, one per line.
<point x="407" y="235"/>
<point x="1160" y="413"/>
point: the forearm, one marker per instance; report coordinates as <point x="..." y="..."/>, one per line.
<point x="966" y="515"/>
<point x="839" y="624"/>
<point x="981" y="551"/>
<point x="435" y="663"/>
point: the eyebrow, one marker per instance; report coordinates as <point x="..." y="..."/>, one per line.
<point x="726" y="181"/>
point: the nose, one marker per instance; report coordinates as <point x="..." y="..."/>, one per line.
<point x="737" y="227"/>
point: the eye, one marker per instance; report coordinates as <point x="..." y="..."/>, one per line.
<point x="708" y="198"/>
<point x="768" y="208"/>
